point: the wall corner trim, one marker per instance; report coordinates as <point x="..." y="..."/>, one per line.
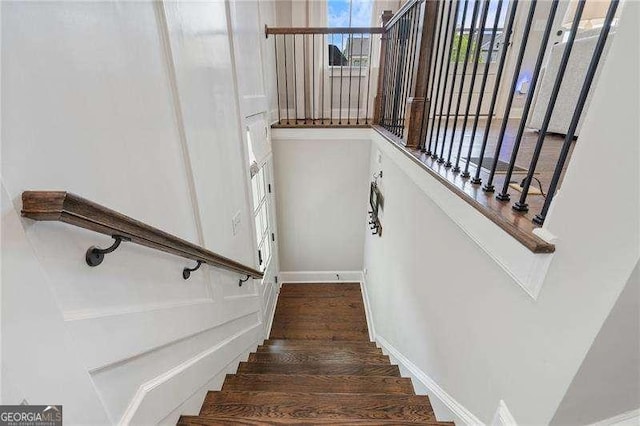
<point x="435" y="391"/>
<point x="630" y="418"/>
<point x="503" y="416"/>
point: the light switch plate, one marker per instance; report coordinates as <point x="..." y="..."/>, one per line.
<point x="235" y="223"/>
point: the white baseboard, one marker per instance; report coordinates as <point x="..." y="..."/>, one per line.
<point x="320" y="276"/>
<point x="367" y="308"/>
<point x="630" y="418"/>
<point x="462" y="415"/>
<point x="272" y="314"/>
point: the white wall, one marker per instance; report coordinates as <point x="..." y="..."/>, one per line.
<point x="608" y="381"/>
<point x="452" y="311"/>
<point x="133" y="105"/>
<point x="322" y="199"/>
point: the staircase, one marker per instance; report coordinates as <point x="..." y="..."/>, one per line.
<point x="318" y="367"/>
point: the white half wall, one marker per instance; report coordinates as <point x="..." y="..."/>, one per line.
<point x="441" y="301"/>
<point x="322" y="197"/>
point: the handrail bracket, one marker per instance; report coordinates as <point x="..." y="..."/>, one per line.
<point x="95" y="255"/>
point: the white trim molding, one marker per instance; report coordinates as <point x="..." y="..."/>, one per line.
<point x="320" y="276"/>
<point x="435" y="391"/>
<point x="367" y="307"/>
<point x="503" y="416"/>
<point x="630" y="418"/>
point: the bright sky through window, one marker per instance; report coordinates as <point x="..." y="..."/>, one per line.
<point x="349" y="13"/>
<point x="493" y="6"/>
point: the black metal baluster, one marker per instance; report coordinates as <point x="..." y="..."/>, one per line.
<point x="504" y="195"/>
<point x="577" y="113"/>
<point x="313" y="78"/>
<point x="474" y="17"/>
<point x="331" y="66"/>
<point x="453" y="83"/>
<point x="483" y="85"/>
<point x="403" y="39"/>
<point x="385" y="78"/>
<point x="474" y="73"/>
<point x="286" y="78"/>
<point x="324" y="47"/>
<point x="275" y="45"/>
<point x="295" y="79"/>
<point x="392" y="69"/>
<point x="411" y="83"/>
<point x="496" y="86"/>
<point x="393" y="75"/>
<point x="359" y="79"/>
<point x="305" y="98"/>
<point x="341" y="66"/>
<point x="407" y="73"/>
<point x="488" y="187"/>
<point x="426" y="112"/>
<point x="366" y="115"/>
<point x="350" y="41"/>
<point x="446" y="57"/>
<point x="521" y="204"/>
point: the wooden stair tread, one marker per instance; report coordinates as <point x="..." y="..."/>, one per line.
<point x="298" y="405"/>
<point x="320" y="369"/>
<point x="317" y="383"/>
<point x="283" y="333"/>
<point x="235" y="420"/>
<point x="359" y="326"/>
<point x="297" y="357"/>
<point x="347" y="310"/>
<point x="285" y="343"/>
<point x="317" y="350"/>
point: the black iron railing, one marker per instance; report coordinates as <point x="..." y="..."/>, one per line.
<point x="403" y="37"/>
<point x="461" y="131"/>
<point x="324" y="75"/>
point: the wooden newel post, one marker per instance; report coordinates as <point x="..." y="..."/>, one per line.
<point x="418" y="102"/>
<point x="377" y="104"/>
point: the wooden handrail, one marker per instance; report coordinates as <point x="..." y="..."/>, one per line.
<point x="323" y="30"/>
<point x="69" y="208"/>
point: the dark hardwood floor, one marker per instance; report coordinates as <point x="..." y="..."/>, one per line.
<point x="317" y="367"/>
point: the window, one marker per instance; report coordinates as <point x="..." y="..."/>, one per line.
<point x="482" y="40"/>
<point x="261" y="217"/>
<point x="344" y="49"/>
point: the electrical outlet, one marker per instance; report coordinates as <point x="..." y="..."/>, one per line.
<point x="235" y="223"/>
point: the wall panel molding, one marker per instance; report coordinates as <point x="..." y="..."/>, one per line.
<point x="173" y="387"/>
<point x="137" y="333"/>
